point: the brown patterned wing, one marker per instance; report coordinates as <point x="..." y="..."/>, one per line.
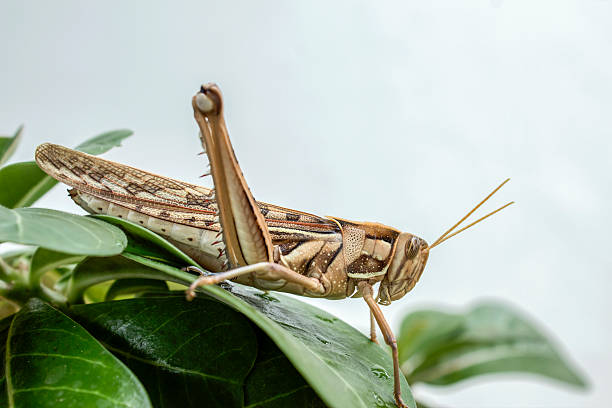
<point x="290" y="228"/>
<point x="138" y="190"/>
<point x="158" y="196"/>
<point x="281" y="217"/>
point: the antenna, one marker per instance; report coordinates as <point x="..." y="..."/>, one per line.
<point x="445" y="236"/>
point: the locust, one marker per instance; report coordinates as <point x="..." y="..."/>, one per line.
<point x="253" y="243"/>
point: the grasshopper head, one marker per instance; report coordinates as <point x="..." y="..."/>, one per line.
<point x="405" y="268"/>
<point x="411" y="253"/>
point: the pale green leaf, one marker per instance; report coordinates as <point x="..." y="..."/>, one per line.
<point x="9" y="144"/>
<point x="22" y="184"/>
<point x="60" y="231"/>
<point x="443" y="348"/>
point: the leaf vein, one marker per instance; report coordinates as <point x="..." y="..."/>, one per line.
<point x="55" y="330"/>
<point x="283" y="395"/>
<point x="77" y="390"/>
<point x="68" y="357"/>
<point x="169" y="367"/>
<point x="171" y="320"/>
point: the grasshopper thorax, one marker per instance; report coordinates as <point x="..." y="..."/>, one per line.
<point x="405" y="268"/>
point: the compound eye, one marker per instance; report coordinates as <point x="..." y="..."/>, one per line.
<point x="412" y="249"/>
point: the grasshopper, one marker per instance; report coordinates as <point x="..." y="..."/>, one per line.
<point x="253" y="243"/>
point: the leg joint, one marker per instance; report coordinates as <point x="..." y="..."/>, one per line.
<point x="391" y="342"/>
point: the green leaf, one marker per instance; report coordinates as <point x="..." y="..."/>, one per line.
<point x="45" y="260"/>
<point x="424" y="330"/>
<point x="123" y="287"/>
<point x="104" y="142"/>
<point x="274" y="382"/>
<point x="490" y="338"/>
<point x="199" y="353"/>
<point x="141" y="242"/>
<point x="9" y="144"/>
<point x="144" y="242"/>
<point x="20" y="252"/>
<point x="51" y="360"/>
<point x="22" y="184"/>
<point x="93" y="271"/>
<point x="60" y="231"/>
<point x="421" y="404"/>
<point x="341" y="364"/>
<point x="7" y="308"/>
<point x="96" y="293"/>
<point x="14" y="263"/>
<point x="187" y="354"/>
<point x="5" y="324"/>
<point x="14" y="266"/>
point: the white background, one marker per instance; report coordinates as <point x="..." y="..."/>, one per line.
<point x="405" y="114"/>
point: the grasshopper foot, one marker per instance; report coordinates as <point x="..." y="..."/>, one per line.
<point x="201" y="281"/>
<point x="399" y="402"/>
<point x="191" y="268"/>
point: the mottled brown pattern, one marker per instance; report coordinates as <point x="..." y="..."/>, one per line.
<point x="195" y="200"/>
<point x="78" y="171"/>
<point x="134" y="188"/>
<point x="366" y="264"/>
<point x="151" y="187"/>
<point x="287" y="247"/>
<point x="96" y="176"/>
<point x="292" y="217"/>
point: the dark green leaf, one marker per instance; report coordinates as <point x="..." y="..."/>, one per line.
<point x="22" y="184"/>
<point x="490" y="338"/>
<point x="124" y="287"/>
<point x="274" y="382"/>
<point x="53" y="361"/>
<point x="187" y="354"/>
<point x="341" y="364"/>
<point x="60" y="231"/>
<point x="9" y="144"/>
<point x="5" y="324"/>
